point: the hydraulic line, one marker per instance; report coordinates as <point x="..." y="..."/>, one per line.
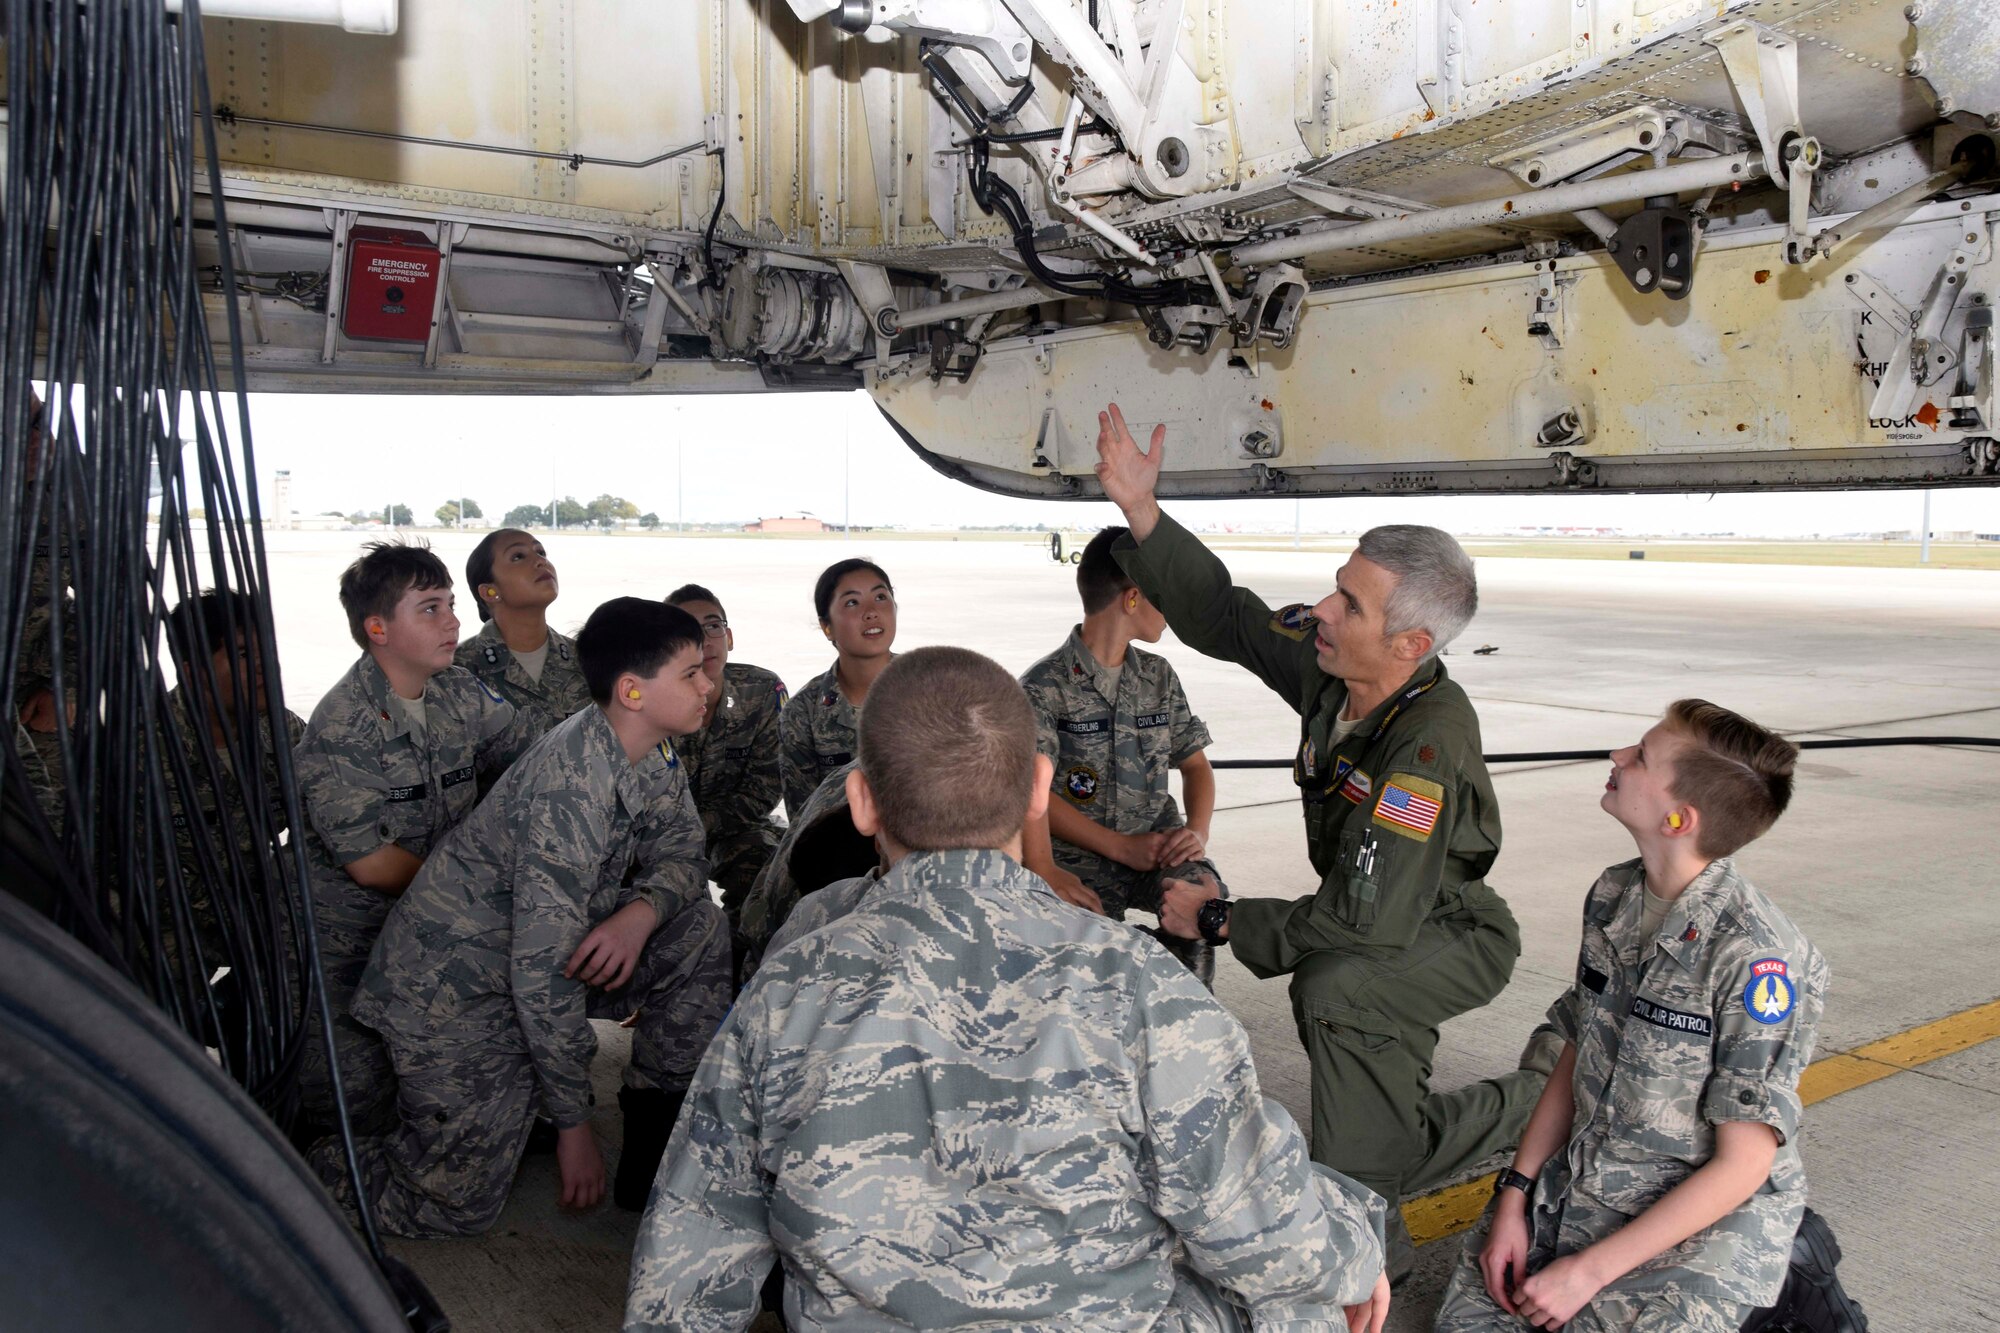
<point x="1564" y="756"/>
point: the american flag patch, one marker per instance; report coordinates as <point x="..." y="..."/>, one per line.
<point x="1409" y="806"/>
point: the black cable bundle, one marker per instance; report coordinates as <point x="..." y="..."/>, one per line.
<point x="101" y="292"/>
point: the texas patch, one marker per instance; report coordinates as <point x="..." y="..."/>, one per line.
<point x="1769" y="996"/>
<point x="1410" y="806"/>
<point x="1294" y="622"/>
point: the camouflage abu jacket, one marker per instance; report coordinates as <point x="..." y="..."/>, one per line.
<point x="1711" y="1020"/>
<point x="817" y="733"/>
<point x="966" y="1103"/>
<point x="475" y="948"/>
<point x="543" y="703"/>
<point x="733" y="763"/>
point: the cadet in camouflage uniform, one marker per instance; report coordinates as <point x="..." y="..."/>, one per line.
<point x="1114" y="733"/>
<point x="383" y="775"/>
<point x="821" y="846"/>
<point x="964" y="1103"/>
<point x="1690" y="1020"/>
<point x="732" y="761"/>
<point x="1401" y="825"/>
<point x="216" y="799"/>
<point x="513" y="585"/>
<point x="577" y="890"/>
<point x="857" y="613"/>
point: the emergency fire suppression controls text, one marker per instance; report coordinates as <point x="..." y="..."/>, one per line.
<point x="392" y="279"/>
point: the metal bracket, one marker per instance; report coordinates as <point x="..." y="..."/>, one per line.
<point x="1545" y="321"/>
<point x="442" y="298"/>
<point x="1272" y="312"/>
<point x="1573" y="473"/>
<point x="1972" y="402"/>
<point x="1655" y="247"/>
<point x="1763" y="68"/>
<point x="336" y="285"/>
<point x="1922" y="357"/>
<point x="983" y="25"/>
<point x="871" y="288"/>
<point x="1154" y="105"/>
<point x="1639" y="129"/>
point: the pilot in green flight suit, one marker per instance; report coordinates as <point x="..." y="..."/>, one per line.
<point x="1401" y="824"/>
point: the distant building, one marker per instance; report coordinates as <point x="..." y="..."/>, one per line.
<point x="789" y="523"/>
<point x="281" y="502"/>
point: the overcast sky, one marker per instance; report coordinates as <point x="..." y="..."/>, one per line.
<point x="742" y="457"/>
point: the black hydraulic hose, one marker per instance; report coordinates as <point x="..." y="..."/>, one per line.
<point x="102" y="300"/>
<point x="1563" y="756"/>
<point x="710" y="278"/>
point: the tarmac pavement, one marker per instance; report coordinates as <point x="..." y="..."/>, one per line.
<point x="1887" y="859"/>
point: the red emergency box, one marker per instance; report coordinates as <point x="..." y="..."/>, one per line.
<point x="392" y="279"/>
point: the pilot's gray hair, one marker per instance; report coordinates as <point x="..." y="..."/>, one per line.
<point x="1435" y="586"/>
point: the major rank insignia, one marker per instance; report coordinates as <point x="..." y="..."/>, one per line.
<point x="1769" y="996"/>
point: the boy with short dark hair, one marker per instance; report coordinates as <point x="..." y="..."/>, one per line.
<point x="389" y="763"/>
<point x="1658" y="1184"/>
<point x="1114" y="722"/>
<point x="577" y="890"/>
<point x="733" y="759"/>
<point x="517" y="653"/>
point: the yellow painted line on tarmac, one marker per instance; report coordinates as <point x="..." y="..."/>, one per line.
<point x="1447" y="1212"/>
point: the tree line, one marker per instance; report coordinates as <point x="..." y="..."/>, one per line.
<point x="606" y="511"/>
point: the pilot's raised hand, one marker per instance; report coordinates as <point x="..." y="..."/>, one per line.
<point x="1129" y="476"/>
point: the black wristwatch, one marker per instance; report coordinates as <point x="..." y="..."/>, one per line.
<point x="1212" y="919"/>
<point x="1510" y="1179"/>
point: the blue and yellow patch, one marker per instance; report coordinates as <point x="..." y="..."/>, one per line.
<point x="1080" y="784"/>
<point x="1769" y="997"/>
<point x="1295" y="622"/>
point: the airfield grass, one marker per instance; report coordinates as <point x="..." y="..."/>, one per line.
<point x="1686" y="550"/>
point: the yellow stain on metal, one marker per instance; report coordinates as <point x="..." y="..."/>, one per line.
<point x="1449" y="1211"/>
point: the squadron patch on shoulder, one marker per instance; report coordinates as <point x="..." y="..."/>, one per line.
<point x="1769" y="996"/>
<point x="1080" y="784"/>
<point x="1409" y="805"/>
<point x="1295" y="622"/>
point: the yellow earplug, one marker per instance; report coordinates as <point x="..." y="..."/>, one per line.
<point x="1674" y="820"/>
<point x="633" y="694"/>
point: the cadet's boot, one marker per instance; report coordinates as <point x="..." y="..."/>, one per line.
<point x="1197" y="955"/>
<point x="1544" y="1049"/>
<point x="650" y="1114"/>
